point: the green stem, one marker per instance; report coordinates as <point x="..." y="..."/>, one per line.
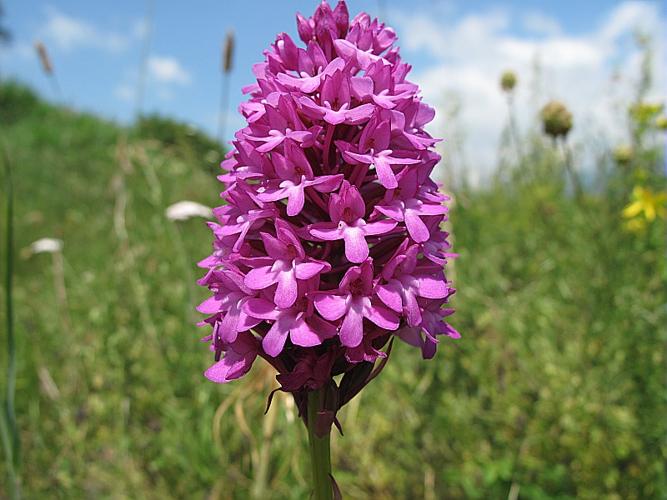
<point x="569" y="168"/>
<point x="320" y="449"/>
<point x="514" y="130"/>
<point x="9" y="431"/>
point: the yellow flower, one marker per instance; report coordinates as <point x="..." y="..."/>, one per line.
<point x="661" y="122"/>
<point x="635" y="225"/>
<point x="646" y="202"/>
<point x="644" y="112"/>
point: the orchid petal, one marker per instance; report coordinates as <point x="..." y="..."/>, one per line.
<point x="325" y="183"/>
<point x="385" y="174"/>
<point x="287" y="290"/>
<point x="331" y="307"/>
<point x="379" y="227"/>
<point x="306" y="270"/>
<point x="352" y="330"/>
<point x="261" y="277"/>
<point x="381" y="316"/>
<point x="210" y="306"/>
<point x="356" y="248"/>
<point x="390" y="294"/>
<point x="303" y="334"/>
<point x="261" y="308"/>
<point x="274" y="341"/>
<point x="432" y="288"/>
<point x="391" y="211"/>
<point x="230" y="367"/>
<point x="326" y="231"/>
<point x="413" y="313"/>
<point x="416" y="227"/>
<point x="295" y="200"/>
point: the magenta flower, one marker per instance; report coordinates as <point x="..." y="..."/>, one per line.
<point x="373" y="151"/>
<point x="230" y="294"/>
<point x="294" y="175"/>
<point x="432" y="325"/>
<point x="329" y="244"/>
<point x="285" y="263"/>
<point x="410" y="202"/>
<point x="238" y="218"/>
<point x="298" y="321"/>
<point x="346" y="210"/>
<point x="405" y="281"/>
<point x="354" y="301"/>
<point x="336" y="99"/>
<point x="239" y="357"/>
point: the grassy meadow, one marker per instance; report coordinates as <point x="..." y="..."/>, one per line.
<point x="556" y="390"/>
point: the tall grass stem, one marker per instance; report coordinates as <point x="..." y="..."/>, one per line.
<point x="10" y="434"/>
<point x="571" y="172"/>
<point x="513" y="128"/>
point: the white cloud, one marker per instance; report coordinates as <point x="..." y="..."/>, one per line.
<point x="541" y="24"/>
<point x="629" y="16"/>
<point x="67" y="33"/>
<point x="471" y="52"/>
<point x="163" y="75"/>
<point x="167" y="70"/>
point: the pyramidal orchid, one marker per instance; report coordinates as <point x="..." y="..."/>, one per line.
<point x="329" y="242"/>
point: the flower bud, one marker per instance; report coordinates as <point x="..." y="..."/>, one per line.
<point x="556" y="119"/>
<point x="623" y="155"/>
<point x="508" y="81"/>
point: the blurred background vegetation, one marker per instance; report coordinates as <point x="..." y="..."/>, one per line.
<point x="557" y="389"/>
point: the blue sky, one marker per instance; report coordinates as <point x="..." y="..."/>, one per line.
<point x="457" y="49"/>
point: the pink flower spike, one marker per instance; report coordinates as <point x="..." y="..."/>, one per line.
<point x="329" y="240"/>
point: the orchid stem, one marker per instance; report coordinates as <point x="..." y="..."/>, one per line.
<point x="320" y="449"/>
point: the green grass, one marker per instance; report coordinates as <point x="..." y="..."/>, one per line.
<point x="555" y="391"/>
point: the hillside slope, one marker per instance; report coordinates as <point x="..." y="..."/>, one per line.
<point x="556" y="389"/>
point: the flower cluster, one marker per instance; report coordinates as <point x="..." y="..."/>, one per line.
<point x="329" y="241"/>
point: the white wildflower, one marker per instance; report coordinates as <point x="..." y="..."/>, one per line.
<point x="184" y="210"/>
<point x="46" y="245"/>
